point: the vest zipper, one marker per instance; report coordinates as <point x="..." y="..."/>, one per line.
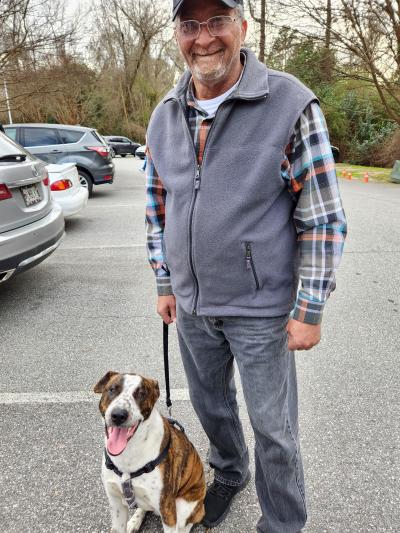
<point x="197" y="180"/>
<point x="191" y="255"/>
<point x="250" y="264"/>
<point x="197" y="183"/>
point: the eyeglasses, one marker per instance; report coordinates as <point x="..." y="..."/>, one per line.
<point x="217" y="26"/>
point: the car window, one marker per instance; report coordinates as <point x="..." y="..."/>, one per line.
<point x="70" y="136"/>
<point x="40" y="136"/>
<point x="12" y="133"/>
<point x="97" y="137"/>
<point x="125" y="140"/>
<point x="8" y="146"/>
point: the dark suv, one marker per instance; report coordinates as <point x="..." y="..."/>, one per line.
<point x="121" y="145"/>
<point x="57" y="143"/>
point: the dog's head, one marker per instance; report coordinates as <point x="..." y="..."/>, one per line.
<point x="126" y="401"/>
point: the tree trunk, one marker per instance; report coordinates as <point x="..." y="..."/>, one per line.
<point x="261" y="55"/>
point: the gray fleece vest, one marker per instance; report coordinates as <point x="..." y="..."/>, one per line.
<point x="230" y="240"/>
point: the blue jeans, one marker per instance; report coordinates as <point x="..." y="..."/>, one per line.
<point x="209" y="346"/>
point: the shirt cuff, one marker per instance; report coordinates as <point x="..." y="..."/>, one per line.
<point x="163" y="281"/>
<point x="308" y="311"/>
<point x="164" y="289"/>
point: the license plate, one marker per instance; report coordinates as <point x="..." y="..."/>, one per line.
<point x="31" y="195"/>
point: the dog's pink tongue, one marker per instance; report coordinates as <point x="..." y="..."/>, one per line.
<point x="117" y="440"/>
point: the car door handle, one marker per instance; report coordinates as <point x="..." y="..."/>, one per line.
<point x="56" y="152"/>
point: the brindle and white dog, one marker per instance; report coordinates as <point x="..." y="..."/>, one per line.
<point x="137" y="434"/>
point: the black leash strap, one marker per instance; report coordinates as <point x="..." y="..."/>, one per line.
<point x="168" y="401"/>
<point x="166" y="367"/>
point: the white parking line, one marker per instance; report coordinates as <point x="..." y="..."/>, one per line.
<point x="68" y="397"/>
<point x="112" y="206"/>
<point x="103" y="247"/>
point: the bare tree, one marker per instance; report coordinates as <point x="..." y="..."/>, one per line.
<point x="128" y="32"/>
<point x="259" y="15"/>
<point x="366" y="37"/>
<point x="32" y="33"/>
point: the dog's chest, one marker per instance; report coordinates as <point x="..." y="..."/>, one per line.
<point x="148" y="488"/>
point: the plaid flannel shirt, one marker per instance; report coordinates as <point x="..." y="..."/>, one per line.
<point x="308" y="171"/>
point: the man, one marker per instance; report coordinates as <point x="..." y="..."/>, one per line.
<point x="242" y="199"/>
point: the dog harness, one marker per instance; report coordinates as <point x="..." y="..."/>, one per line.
<point x="127" y="488"/>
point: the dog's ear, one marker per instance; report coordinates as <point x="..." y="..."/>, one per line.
<point x="151" y="393"/>
<point x="101" y="385"/>
<point x="156" y="389"/>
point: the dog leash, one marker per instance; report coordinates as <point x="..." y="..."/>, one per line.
<point x="167" y="385"/>
<point x="166" y="368"/>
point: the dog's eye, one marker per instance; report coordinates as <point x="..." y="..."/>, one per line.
<point x="111" y="390"/>
<point x="139" y="395"/>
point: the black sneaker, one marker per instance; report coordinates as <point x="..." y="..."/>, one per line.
<point x="218" y="501"/>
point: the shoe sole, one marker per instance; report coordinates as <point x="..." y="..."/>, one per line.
<point x="223" y="516"/>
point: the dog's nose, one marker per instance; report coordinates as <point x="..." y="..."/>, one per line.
<point x="119" y="416"/>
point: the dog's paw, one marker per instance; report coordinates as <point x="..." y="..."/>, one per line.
<point x="136" y="521"/>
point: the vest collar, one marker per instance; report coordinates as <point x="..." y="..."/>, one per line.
<point x="252" y="86"/>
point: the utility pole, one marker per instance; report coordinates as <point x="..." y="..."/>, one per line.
<point x="7" y="102"/>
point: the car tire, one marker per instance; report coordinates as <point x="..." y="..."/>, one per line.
<point x="123" y="155"/>
<point x="112" y="153"/>
<point x="86" y="181"/>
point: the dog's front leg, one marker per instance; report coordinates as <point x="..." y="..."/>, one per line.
<point x="169" y="529"/>
<point x="118" y="508"/>
<point x="168" y="515"/>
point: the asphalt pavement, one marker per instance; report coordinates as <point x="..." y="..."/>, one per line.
<point x="90" y="307"/>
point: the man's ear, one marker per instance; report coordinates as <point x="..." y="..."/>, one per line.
<point x="101" y="385"/>
<point x="244" y="31"/>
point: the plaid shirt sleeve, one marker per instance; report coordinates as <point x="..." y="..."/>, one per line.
<point x="155" y="222"/>
<point x="319" y="216"/>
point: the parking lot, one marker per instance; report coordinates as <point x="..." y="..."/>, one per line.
<point x="90" y="307"/>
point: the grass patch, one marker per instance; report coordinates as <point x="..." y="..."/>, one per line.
<point x="358" y="171"/>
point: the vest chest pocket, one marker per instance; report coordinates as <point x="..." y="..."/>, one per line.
<point x="250" y="266"/>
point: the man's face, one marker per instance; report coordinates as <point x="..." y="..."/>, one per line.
<point x="211" y="59"/>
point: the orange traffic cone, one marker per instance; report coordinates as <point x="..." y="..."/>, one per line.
<point x="349" y="176"/>
<point x="366" y="177"/>
<point x="344" y="173"/>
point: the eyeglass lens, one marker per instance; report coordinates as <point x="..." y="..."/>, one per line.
<point x="216" y="26"/>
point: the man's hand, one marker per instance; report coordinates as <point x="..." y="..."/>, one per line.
<point x="166" y="308"/>
<point x="302" y="336"/>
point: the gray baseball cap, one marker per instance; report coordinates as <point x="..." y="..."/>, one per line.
<point x="178" y="4"/>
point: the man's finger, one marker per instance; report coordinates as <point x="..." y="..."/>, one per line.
<point x="172" y="312"/>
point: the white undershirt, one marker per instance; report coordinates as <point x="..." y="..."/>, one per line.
<point x="211" y="106"/>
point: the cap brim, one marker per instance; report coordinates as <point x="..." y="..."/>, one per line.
<point x="176" y="9"/>
<point x="229" y="3"/>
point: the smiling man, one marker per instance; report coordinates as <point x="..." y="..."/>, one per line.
<point x="243" y="203"/>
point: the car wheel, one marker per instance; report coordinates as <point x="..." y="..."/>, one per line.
<point x="112" y="153"/>
<point x="86" y="181"/>
<point x="123" y="155"/>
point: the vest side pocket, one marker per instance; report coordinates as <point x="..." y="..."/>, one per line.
<point x="250" y="266"/>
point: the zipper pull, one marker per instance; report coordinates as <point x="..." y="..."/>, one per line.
<point x="197" y="178"/>
<point x="248" y="256"/>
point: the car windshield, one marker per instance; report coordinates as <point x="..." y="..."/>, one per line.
<point x="10" y="148"/>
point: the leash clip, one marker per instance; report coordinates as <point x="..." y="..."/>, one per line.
<point x="175" y="423"/>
